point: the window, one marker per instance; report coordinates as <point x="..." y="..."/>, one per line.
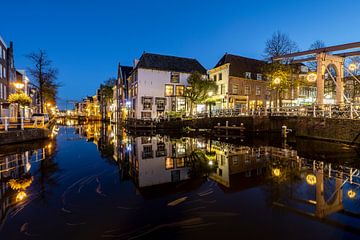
<point x="145" y="115"/>
<point x="175" y="77"/>
<point x="179" y="90"/>
<point x="147" y="152"/>
<point x="258" y="91"/>
<point x="4" y="54"/>
<point x="1" y="90"/>
<point x="222" y="89"/>
<point x="247" y="90"/>
<point x="235" y="88"/>
<point x="220" y="76"/>
<point x="215" y="77"/>
<point x="147" y="103"/>
<point x="1" y="69"/>
<point x="169" y="163"/>
<point x="180" y="162"/>
<point x="247" y="74"/>
<point x="169" y="90"/>
<point x="259" y="76"/>
<point x="160" y="104"/>
<point x="181" y="104"/>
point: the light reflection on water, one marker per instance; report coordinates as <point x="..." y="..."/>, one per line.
<point x="191" y="182"/>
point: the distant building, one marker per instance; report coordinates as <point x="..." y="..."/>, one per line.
<point x="7" y="76"/>
<point x="121" y="92"/>
<point x="241" y="84"/>
<point x="157" y="85"/>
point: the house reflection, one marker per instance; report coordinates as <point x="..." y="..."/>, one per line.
<point x="16" y="170"/>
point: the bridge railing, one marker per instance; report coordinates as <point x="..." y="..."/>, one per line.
<point x="10" y="123"/>
<point x="344" y="111"/>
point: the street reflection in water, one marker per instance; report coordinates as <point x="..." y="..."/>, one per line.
<point x="96" y="181"/>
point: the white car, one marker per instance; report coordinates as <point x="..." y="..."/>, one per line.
<point x="38" y="117"/>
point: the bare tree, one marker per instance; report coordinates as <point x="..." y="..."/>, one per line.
<point x="279" y="44"/>
<point x="317" y="44"/>
<point x="45" y="75"/>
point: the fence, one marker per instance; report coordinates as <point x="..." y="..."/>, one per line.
<point x="345" y="111"/>
<point x="9" y="123"/>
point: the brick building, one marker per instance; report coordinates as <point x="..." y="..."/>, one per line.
<point x="240" y="81"/>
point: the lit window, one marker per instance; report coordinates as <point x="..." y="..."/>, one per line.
<point x="169" y="163"/>
<point x="259" y="76"/>
<point x="175" y="78"/>
<point x="179" y="90"/>
<point x="247" y="90"/>
<point x="258" y="91"/>
<point x="146" y="115"/>
<point x="235" y="88"/>
<point x="180" y="162"/>
<point x="169" y="90"/>
<point x="248" y="75"/>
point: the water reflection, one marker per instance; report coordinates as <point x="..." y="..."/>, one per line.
<point x="20" y="165"/>
<point x="314" y="188"/>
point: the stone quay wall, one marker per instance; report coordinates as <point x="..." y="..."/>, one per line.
<point x="331" y="129"/>
<point x="18" y="136"/>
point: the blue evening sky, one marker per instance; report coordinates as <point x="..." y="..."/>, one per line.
<point x="87" y="38"/>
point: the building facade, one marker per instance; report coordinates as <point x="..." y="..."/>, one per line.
<point x="157" y="86"/>
<point x="240" y="82"/>
<point x="121" y="93"/>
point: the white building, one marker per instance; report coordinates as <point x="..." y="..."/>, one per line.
<point x="157" y="85"/>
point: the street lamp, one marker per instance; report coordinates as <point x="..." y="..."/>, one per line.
<point x="311" y="77"/>
<point x="352" y="67"/>
<point x="277" y="81"/>
<point x="18" y="86"/>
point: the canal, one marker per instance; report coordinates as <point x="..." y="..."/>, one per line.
<point x="96" y="181"/>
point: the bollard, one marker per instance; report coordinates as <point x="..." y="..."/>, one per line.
<point x="284" y="131"/>
<point x="314" y="111"/>
<point x="22" y="123"/>
<point x="227" y="124"/>
<point x="6" y="124"/>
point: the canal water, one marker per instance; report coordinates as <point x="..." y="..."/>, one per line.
<point x="98" y="182"/>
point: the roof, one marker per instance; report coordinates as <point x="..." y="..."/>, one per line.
<point x="170" y="63"/>
<point x="239" y="65"/>
<point x="3" y="42"/>
<point x="125" y="71"/>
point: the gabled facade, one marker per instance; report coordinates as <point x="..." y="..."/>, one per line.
<point x="121" y="92"/>
<point x="241" y="84"/>
<point x="157" y="84"/>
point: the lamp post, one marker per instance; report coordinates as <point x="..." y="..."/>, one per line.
<point x="18" y="86"/>
<point x="277" y="81"/>
<point x="210" y="95"/>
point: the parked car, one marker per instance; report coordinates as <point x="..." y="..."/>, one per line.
<point x="38" y="117"/>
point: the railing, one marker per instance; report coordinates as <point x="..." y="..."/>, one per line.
<point x="345" y="111"/>
<point x="9" y="123"/>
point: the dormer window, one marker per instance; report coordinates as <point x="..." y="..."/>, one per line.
<point x="175" y="77"/>
<point x="259" y="76"/>
<point x="248" y="75"/>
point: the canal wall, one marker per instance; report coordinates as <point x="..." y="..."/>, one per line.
<point x="18" y="136"/>
<point x="330" y="129"/>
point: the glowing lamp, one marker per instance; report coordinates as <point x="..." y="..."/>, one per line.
<point x="21" y="196"/>
<point x="351" y="194"/>
<point x="311" y="77"/>
<point x="276" y="172"/>
<point x="311" y="179"/>
<point x="352" y="67"/>
<point x="277" y="80"/>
